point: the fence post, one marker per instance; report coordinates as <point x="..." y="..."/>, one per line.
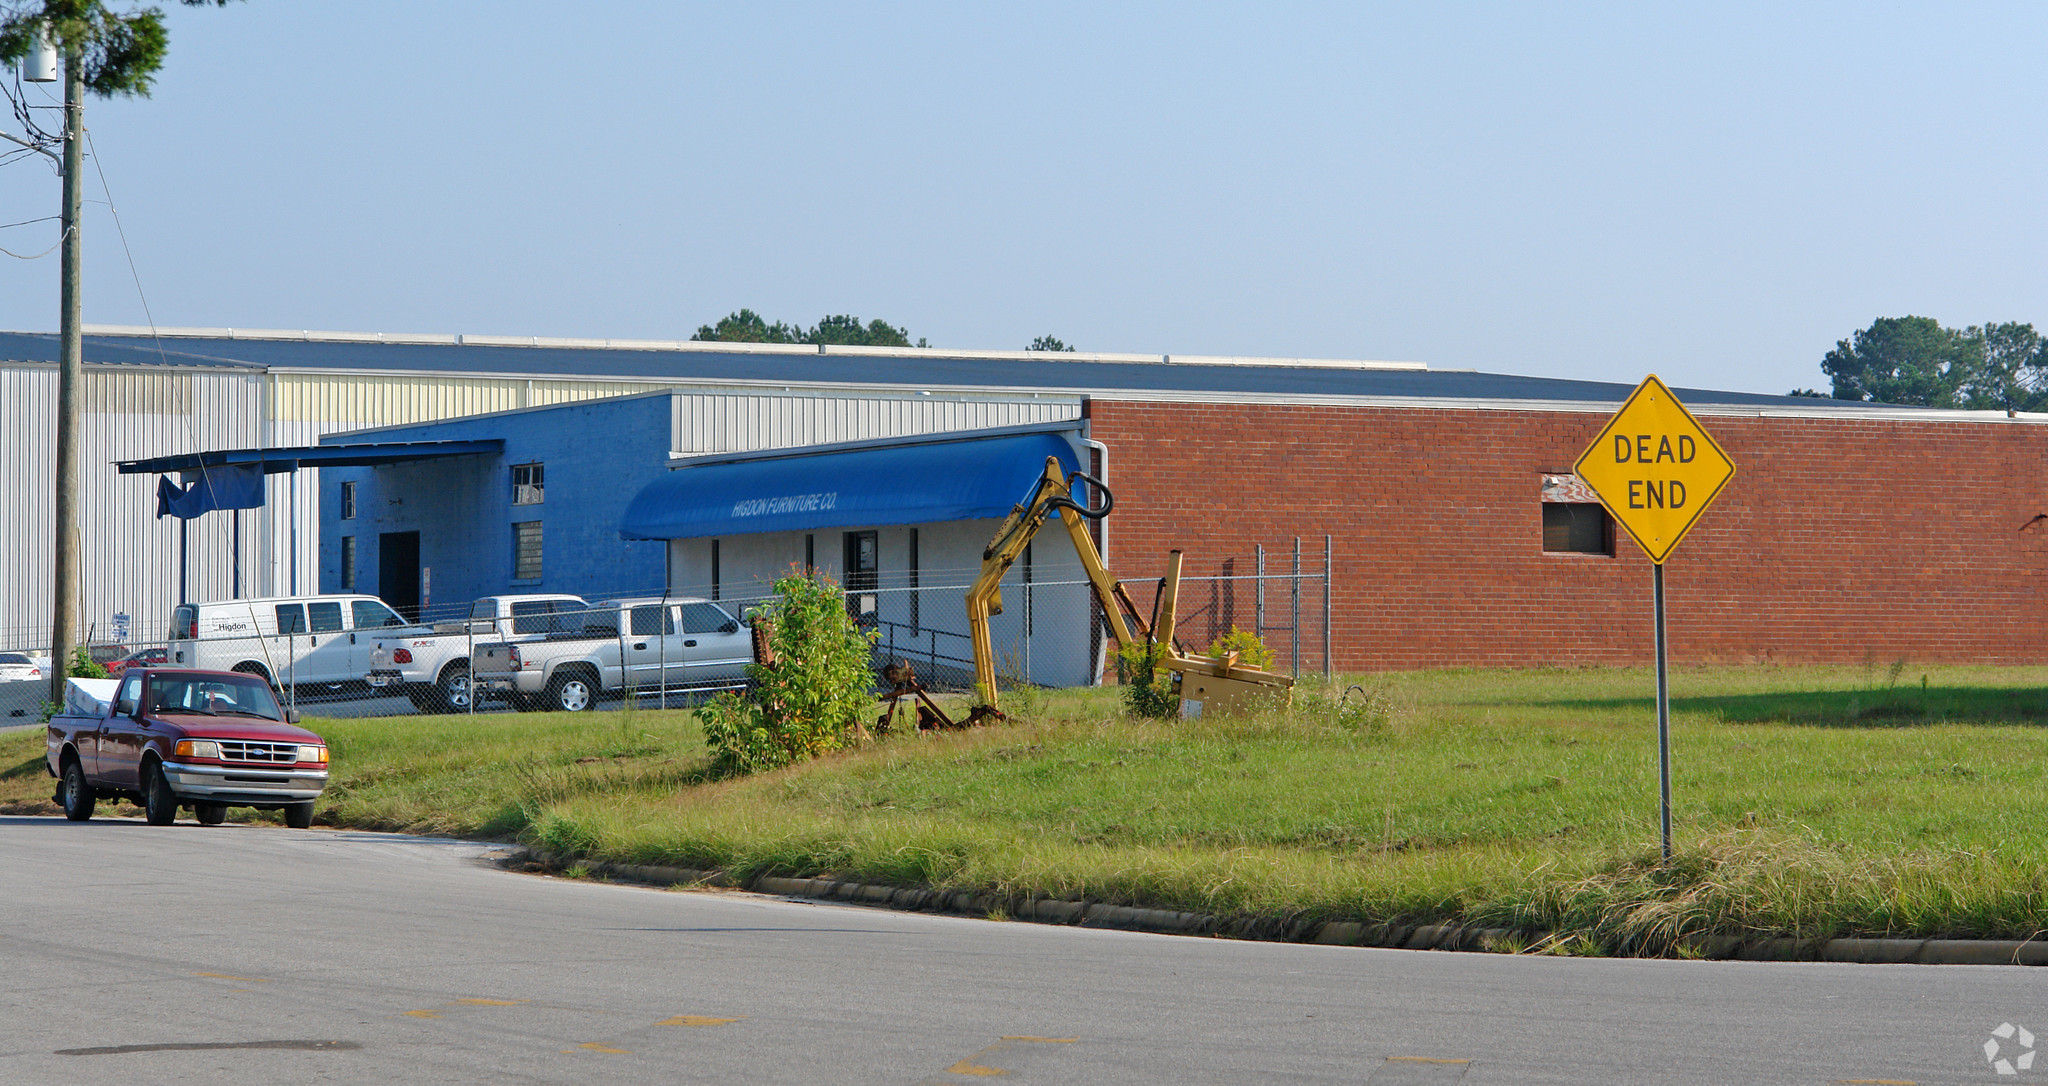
<point x="625" y="672"/>
<point x="1329" y="552"/>
<point x="1259" y="597"/>
<point x="1294" y="597"/>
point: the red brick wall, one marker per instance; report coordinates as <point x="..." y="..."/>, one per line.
<point x="1837" y="541"/>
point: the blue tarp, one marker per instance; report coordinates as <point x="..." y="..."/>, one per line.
<point x="230" y="487"/>
<point x="898" y="484"/>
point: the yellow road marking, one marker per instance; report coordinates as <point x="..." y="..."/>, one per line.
<point x="697" y="1020"/>
<point x="423" y="1014"/>
<point x="593" y="1046"/>
<point x="965" y="1068"/>
<point x="230" y="976"/>
<point x="493" y="1002"/>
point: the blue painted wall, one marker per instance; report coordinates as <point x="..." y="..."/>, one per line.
<point x="598" y="454"/>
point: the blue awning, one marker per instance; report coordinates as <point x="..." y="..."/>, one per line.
<point x="924" y="482"/>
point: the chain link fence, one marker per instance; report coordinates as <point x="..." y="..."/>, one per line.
<point x="1051" y="633"/>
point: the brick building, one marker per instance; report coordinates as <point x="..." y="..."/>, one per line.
<point x="1851" y="532"/>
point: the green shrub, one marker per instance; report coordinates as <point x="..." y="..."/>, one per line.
<point x="1251" y="651"/>
<point x="1148" y="687"/>
<point x="83" y="666"/>
<point x="812" y="699"/>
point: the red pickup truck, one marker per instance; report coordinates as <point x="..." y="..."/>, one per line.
<point x="172" y="737"/>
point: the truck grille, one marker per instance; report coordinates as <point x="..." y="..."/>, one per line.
<point x="235" y="750"/>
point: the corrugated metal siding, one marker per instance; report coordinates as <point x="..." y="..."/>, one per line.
<point x="360" y="401"/>
<point x="128" y="559"/>
<point x="719" y="422"/>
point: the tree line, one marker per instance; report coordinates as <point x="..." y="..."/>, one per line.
<point x="747" y="326"/>
<point x="1915" y="360"/>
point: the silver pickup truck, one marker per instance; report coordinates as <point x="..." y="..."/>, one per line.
<point x="431" y="666"/>
<point x="676" y="644"/>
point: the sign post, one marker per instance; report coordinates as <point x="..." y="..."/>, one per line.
<point x="1656" y="470"/>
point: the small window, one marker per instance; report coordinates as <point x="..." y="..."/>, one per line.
<point x="291" y="619"/>
<point x="348" y="560"/>
<point x="532" y="617"/>
<point x="1576" y="528"/>
<point x="1574" y="521"/>
<point x="526" y="551"/>
<point x="528" y="484"/>
<point x="348" y="501"/>
<point x="370" y="615"/>
<point x="651" y="619"/>
<point x="326" y="617"/>
<point x="704" y="618"/>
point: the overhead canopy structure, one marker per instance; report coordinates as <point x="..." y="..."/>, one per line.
<point x="276" y="461"/>
<point x="232" y="479"/>
<point x="954" y="477"/>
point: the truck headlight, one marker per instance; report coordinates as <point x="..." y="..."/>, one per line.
<point x="198" y="748"/>
<point x="313" y="754"/>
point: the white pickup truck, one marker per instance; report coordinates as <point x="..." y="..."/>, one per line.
<point x="432" y="667"/>
<point x="678" y="643"/>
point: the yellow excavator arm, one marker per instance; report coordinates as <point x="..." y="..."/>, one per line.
<point x="1221" y="683"/>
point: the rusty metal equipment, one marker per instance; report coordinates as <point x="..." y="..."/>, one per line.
<point x="1203" y="684"/>
<point x="903" y="684"/>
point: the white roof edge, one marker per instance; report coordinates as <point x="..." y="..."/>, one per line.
<point x="1291" y="363"/>
<point x="723" y="347"/>
<point x="1437" y="403"/>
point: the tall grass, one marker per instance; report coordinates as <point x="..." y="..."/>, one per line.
<point x="1808" y="802"/>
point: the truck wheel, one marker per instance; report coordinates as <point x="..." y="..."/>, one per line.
<point x="571" y="693"/>
<point x="210" y="814"/>
<point x="74" y="793"/>
<point x="452" y="692"/>
<point x="299" y="816"/>
<point x="251" y="667"/>
<point x="159" y="803"/>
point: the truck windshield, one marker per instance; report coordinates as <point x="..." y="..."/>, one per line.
<point x="212" y="695"/>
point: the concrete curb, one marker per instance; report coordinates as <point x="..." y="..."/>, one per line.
<point x="1285" y="929"/>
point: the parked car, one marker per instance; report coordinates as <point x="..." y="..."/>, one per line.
<point x="15" y="666"/>
<point x="694" y="645"/>
<point x="432" y="668"/>
<point x="180" y="737"/>
<point x="154" y="656"/>
<point x="315" y="644"/>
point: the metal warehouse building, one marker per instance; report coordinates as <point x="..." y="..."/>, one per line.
<point x="1851" y="531"/>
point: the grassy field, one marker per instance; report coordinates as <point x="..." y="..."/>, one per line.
<point x="1879" y="800"/>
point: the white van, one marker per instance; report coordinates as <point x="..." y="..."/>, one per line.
<point x="314" y="643"/>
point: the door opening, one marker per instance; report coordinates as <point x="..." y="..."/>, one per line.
<point x="398" y="572"/>
<point x="863" y="559"/>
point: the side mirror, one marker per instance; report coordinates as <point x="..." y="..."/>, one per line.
<point x="291" y="716"/>
<point x="124" y="707"/>
<point x="729" y="627"/>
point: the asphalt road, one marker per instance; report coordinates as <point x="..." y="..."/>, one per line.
<point x="188" y="954"/>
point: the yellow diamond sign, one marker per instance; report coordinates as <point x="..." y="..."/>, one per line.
<point x="1654" y="468"/>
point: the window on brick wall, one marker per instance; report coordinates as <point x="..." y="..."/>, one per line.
<point x="1574" y="521"/>
<point x="348" y="501"/>
<point x="348" y="563"/>
<point x="526" y="551"/>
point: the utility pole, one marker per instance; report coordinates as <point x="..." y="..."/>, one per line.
<point x="71" y="375"/>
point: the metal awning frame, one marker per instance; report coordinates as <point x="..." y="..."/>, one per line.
<point x="278" y="461"/>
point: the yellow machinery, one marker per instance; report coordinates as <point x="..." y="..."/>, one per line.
<point x="1203" y="683"/>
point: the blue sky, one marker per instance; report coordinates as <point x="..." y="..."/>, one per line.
<point x="1594" y="191"/>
